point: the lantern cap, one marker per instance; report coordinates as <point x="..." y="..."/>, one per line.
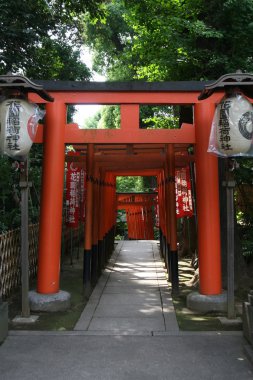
<point x="23" y="84"/>
<point x="239" y="80"/>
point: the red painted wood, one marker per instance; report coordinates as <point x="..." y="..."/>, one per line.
<point x="74" y="135"/>
<point x="207" y="204"/>
<point x="51" y="201"/>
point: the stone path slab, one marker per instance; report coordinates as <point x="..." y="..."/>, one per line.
<point x="132" y="295"/>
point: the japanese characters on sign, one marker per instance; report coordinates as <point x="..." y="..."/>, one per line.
<point x="75" y="192"/>
<point x="183" y="193"/>
<point x="82" y="194"/>
<point x="73" y="177"/>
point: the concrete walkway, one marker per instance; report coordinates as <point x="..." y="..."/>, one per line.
<point x="132" y="295"/>
<point x="128" y="330"/>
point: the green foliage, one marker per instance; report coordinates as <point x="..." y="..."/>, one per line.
<point x="186" y="40"/>
<point x="23" y="24"/>
<point x="158" y="40"/>
<point x="39" y="37"/>
<point x="57" y="60"/>
<point x="244" y="213"/>
<point x="243" y="171"/>
<point x="247" y="245"/>
<point x="109" y="38"/>
<point x="129" y="184"/>
<point x="10" y="197"/>
<point x="121" y="227"/>
<point x="159" y="117"/>
<point x="108" y="117"/>
<point x="134" y="184"/>
<point x="92" y="122"/>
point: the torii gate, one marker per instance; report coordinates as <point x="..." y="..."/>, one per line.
<point x="129" y="95"/>
<point x="139" y="208"/>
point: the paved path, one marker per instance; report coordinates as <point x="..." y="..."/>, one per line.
<point x="132" y="295"/>
<point x="127" y="331"/>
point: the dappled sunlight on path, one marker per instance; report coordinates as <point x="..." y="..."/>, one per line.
<point x="132" y="295"/>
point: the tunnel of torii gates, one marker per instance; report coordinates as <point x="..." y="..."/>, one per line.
<point x="128" y="151"/>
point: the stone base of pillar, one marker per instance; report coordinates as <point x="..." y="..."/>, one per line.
<point x="49" y="302"/>
<point x="3" y="321"/>
<point x="207" y="303"/>
<point x="25" y="320"/>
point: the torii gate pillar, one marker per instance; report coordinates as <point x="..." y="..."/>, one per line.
<point x="207" y="189"/>
<point x="48" y="296"/>
<point x="210" y="296"/>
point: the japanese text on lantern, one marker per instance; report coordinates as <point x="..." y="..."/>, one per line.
<point x="13" y="125"/>
<point x="224" y="127"/>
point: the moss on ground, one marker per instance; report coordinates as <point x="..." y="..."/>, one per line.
<point x="71" y="281"/>
<point x="189" y="320"/>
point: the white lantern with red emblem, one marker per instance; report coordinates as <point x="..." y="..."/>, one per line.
<point x="18" y="127"/>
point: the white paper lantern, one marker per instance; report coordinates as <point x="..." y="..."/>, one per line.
<point x="234" y="127"/>
<point x="18" y="126"/>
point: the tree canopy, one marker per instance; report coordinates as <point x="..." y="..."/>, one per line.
<point x="41" y="38"/>
<point x="171" y="40"/>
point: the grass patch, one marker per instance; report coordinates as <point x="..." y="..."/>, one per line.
<point x="71" y="281"/>
<point x="189" y="320"/>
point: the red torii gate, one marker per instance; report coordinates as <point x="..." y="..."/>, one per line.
<point x="102" y="172"/>
<point x="139" y="209"/>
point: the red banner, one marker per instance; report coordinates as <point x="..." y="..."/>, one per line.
<point x="183" y="193"/>
<point x="82" y="194"/>
<point x="157" y="219"/>
<point x="73" y="177"/>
